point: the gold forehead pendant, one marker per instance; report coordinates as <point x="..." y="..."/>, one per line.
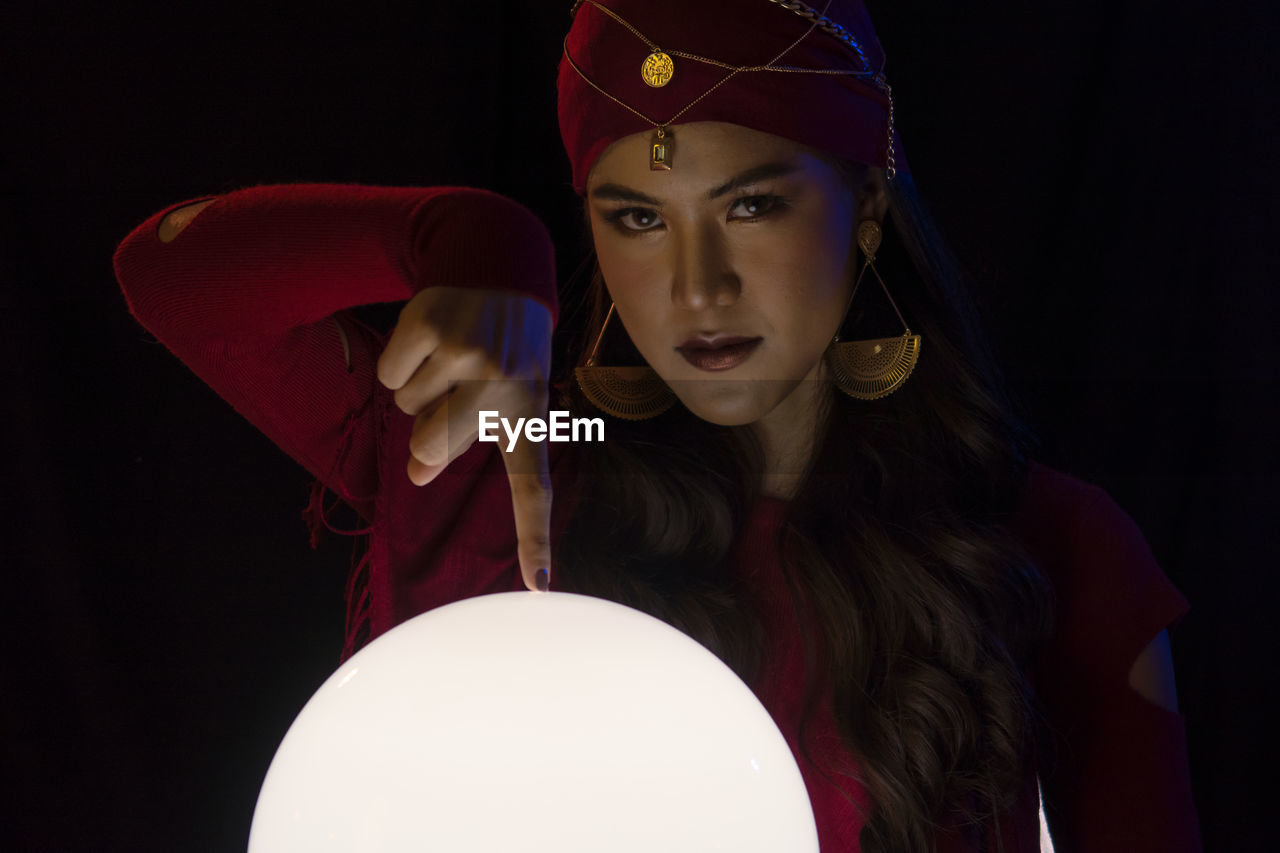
<point x="656" y="71"/>
<point x="660" y="152"/>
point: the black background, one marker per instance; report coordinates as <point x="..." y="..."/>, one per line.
<point x="1105" y="171"/>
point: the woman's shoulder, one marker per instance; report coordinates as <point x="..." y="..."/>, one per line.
<point x="1110" y="593"/>
<point x="1059" y="511"/>
<point x="1050" y="490"/>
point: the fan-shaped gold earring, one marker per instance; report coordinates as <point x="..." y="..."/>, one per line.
<point x="876" y="367"/>
<point x="631" y="393"/>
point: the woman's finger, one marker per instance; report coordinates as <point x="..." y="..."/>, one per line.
<point x="412" y="342"/>
<point x="446" y="369"/>
<point x="445" y="431"/>
<point x="420" y="474"/>
<point x="530" y="475"/>
<point x="424" y="461"/>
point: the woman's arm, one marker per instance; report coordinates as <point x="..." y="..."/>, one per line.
<point x="1117" y="776"/>
<point x="252" y="290"/>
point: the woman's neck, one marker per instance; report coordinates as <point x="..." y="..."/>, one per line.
<point x="786" y="436"/>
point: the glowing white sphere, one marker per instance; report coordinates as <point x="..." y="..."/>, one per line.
<point x="533" y="722"/>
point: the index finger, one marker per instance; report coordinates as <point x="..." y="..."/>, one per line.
<point x="412" y="341"/>
<point x="530" y="475"/>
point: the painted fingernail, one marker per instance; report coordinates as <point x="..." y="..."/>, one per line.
<point x="543" y="580"/>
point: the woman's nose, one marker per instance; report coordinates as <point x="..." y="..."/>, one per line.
<point x="703" y="276"/>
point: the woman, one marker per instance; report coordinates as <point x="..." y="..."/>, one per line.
<point x="808" y="464"/>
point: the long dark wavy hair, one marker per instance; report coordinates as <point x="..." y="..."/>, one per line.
<point x="924" y="612"/>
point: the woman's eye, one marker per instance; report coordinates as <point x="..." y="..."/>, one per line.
<point x="755" y="206"/>
<point x="635" y="219"/>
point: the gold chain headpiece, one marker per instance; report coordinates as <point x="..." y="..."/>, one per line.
<point x="658" y="68"/>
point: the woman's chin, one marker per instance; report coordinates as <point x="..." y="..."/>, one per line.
<point x="729" y="402"/>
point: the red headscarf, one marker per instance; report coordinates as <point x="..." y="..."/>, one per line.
<point x="843" y="115"/>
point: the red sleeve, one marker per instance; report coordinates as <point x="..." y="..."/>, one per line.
<point x="253" y="296"/>
<point x="1117" y="778"/>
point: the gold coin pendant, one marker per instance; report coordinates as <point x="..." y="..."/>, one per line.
<point x="657" y="69"/>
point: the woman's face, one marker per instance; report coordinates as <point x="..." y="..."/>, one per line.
<point x="732" y="271"/>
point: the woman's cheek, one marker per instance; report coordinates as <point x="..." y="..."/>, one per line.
<point x="799" y="267"/>
<point x="634" y="304"/>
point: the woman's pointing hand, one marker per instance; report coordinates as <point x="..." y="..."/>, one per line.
<point x="455" y="352"/>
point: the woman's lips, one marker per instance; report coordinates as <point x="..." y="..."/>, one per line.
<point x="718" y="354"/>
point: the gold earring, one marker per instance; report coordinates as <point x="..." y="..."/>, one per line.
<point x="873" y="368"/>
<point x="631" y="393"/>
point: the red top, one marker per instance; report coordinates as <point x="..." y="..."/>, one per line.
<point x="251" y="296"/>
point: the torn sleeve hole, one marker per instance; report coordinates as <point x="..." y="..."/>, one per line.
<point x="1151" y="675"/>
<point x="171" y="226"/>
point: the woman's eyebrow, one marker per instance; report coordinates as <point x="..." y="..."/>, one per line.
<point x="618" y="192"/>
<point x="758" y="173"/>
